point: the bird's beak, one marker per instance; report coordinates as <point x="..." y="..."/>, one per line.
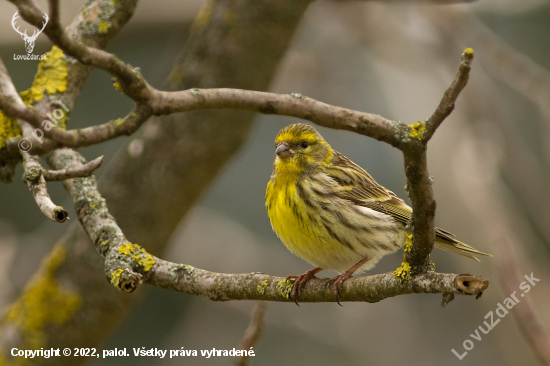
<point x="283" y="151"/>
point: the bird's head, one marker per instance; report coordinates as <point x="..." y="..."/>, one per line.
<point x="300" y="148"/>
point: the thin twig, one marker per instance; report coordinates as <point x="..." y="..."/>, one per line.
<point x="447" y="103"/>
<point x="8" y="93"/>
<point x="76" y="172"/>
<point x="500" y="59"/>
<point x="80" y="137"/>
<point x="54" y="11"/>
<point x="37" y="185"/>
<point x="131" y="82"/>
<point x="253" y="333"/>
<point x="33" y="170"/>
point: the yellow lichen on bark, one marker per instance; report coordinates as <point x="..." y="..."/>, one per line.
<point x="403" y="272"/>
<point x="203" y="17"/>
<point x="115" y="278"/>
<point x="50" y="77"/>
<point x="284" y="288"/>
<point x="139" y="255"/>
<point x="417" y="130"/>
<point x="43" y="303"/>
<point x="8" y="129"/>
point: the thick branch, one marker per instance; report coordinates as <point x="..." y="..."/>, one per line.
<point x="419" y="182"/>
<point x="423" y="203"/>
<point x="94" y="217"/>
<point x="162" y="102"/>
<point x="293" y="104"/>
<point x="257" y="286"/>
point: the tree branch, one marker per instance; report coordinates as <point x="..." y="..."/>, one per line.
<point x="96" y="220"/>
<point x="423" y="204"/>
<point x="77" y="172"/>
<point x="293" y="104"/>
<point x="33" y="177"/>
<point x="37" y="185"/>
<point x="66" y="79"/>
<point x="256" y="286"/>
<point x="9" y="127"/>
<point x="447" y="103"/>
<point x="162" y="102"/>
<point x="416" y="169"/>
<point x="129" y="78"/>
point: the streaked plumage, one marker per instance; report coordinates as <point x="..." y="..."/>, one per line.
<point x="332" y="213"/>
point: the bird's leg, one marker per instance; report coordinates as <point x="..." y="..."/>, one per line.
<point x="339" y="280"/>
<point x="300" y="280"/>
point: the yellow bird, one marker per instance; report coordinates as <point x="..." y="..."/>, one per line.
<point x="330" y="212"/>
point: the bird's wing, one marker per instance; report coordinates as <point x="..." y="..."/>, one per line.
<point x="358" y="186"/>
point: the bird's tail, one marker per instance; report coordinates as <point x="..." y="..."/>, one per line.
<point x="446" y="241"/>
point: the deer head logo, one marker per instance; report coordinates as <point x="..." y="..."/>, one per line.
<point x="29" y="40"/>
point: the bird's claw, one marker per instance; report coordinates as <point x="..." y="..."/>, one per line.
<point x="300" y="280"/>
<point x="338" y="282"/>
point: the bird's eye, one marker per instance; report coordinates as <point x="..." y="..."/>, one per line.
<point x="304" y="144"/>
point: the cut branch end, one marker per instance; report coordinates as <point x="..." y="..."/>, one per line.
<point x="471" y="285"/>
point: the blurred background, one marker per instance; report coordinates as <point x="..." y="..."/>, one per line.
<point x="490" y="161"/>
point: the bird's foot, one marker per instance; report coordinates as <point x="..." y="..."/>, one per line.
<point x="300" y="280"/>
<point x="338" y="281"/>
